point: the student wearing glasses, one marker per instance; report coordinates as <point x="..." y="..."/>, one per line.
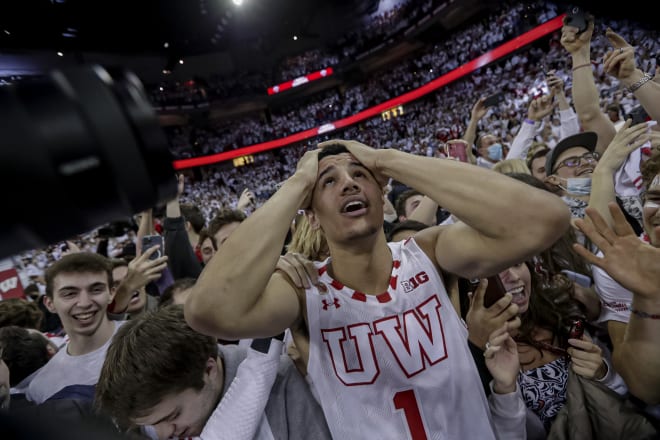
<point x="572" y="164"/>
<point x="569" y="167"/>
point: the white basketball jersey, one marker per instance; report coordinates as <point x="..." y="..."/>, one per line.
<point x="396" y="365"/>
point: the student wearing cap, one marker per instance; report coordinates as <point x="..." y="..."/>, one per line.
<point x="569" y="167"/>
<point x="574" y="163"/>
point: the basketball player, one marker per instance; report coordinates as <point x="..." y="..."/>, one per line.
<point x="388" y="354"/>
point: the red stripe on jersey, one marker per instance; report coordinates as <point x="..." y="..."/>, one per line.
<point x="337" y="285"/>
<point x="322" y="270"/>
<point x="384" y="297"/>
<point x="359" y="296"/>
<point x="396" y="264"/>
<point x="393" y="281"/>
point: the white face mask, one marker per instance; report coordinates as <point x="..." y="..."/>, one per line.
<point x="578" y="186"/>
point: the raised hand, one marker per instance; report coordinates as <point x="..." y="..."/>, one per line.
<point x="142" y="269"/>
<point x="502" y="360"/>
<point x="299" y="270"/>
<point x="631" y="262"/>
<point x="587" y="358"/>
<point x="574" y="42"/>
<point x="625" y="141"/>
<point x="366" y="155"/>
<point x="555" y="83"/>
<point x="479" y="110"/>
<point x="482" y="321"/>
<point x="246" y="199"/>
<point x="620" y="61"/>
<point x="307" y="169"/>
<point x="541" y="107"/>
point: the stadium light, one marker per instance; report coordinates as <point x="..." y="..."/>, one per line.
<point x="238" y="2"/>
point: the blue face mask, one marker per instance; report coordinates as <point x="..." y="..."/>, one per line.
<point x="578" y="186"/>
<point x="495" y="152"/>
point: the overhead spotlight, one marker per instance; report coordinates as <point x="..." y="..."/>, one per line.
<point x="160" y="88"/>
<point x="70" y="32"/>
<point x="295" y="37"/>
<point x="166" y="45"/>
<point x="180" y="61"/>
<point x="7" y="32"/>
<point x="60" y="54"/>
<point x="166" y="71"/>
<point x="237" y="2"/>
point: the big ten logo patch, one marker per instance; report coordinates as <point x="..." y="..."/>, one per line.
<point x="414" y="282"/>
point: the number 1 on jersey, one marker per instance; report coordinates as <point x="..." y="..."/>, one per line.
<point x="407" y="401"/>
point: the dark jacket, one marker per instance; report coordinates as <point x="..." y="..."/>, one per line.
<point x="182" y="261"/>
<point x="593" y="411"/>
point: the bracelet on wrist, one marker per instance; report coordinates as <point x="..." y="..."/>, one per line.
<point x="642" y="314"/>
<point x="640" y="82"/>
<point x="530" y="121"/>
<point x="581" y="65"/>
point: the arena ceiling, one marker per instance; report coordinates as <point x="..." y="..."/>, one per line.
<point x="161" y="32"/>
<point x="187" y="27"/>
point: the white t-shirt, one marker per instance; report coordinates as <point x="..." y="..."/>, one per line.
<point x="63" y="370"/>
<point x="615" y="299"/>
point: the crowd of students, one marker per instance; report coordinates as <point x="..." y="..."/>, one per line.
<point x="500" y="281"/>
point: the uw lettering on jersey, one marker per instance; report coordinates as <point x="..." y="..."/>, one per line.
<point x="395" y="365"/>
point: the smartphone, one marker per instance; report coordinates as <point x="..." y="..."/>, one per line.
<point x="638" y="115"/>
<point x="457" y="149"/>
<point x="576" y="17"/>
<point x="578" y="278"/>
<point x="494" y="291"/>
<point x="494" y="99"/>
<point x="577" y="329"/>
<point x="148" y="241"/>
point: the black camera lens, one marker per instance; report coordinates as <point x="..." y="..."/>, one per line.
<point x="81" y="147"/>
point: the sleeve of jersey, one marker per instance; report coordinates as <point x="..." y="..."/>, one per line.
<point x="240" y="414"/>
<point x="509" y="414"/>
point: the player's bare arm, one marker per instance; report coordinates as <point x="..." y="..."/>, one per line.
<point x="239" y="294"/>
<point x="503" y="220"/>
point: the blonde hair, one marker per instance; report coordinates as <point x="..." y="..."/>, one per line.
<point x="307" y="241"/>
<point x="511" y="166"/>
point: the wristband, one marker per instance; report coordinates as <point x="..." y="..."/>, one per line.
<point x="530" y="121"/>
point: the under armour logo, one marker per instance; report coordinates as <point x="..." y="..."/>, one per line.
<point x="326" y="304"/>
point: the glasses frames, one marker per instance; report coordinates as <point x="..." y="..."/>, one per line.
<point x="575" y="161"/>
